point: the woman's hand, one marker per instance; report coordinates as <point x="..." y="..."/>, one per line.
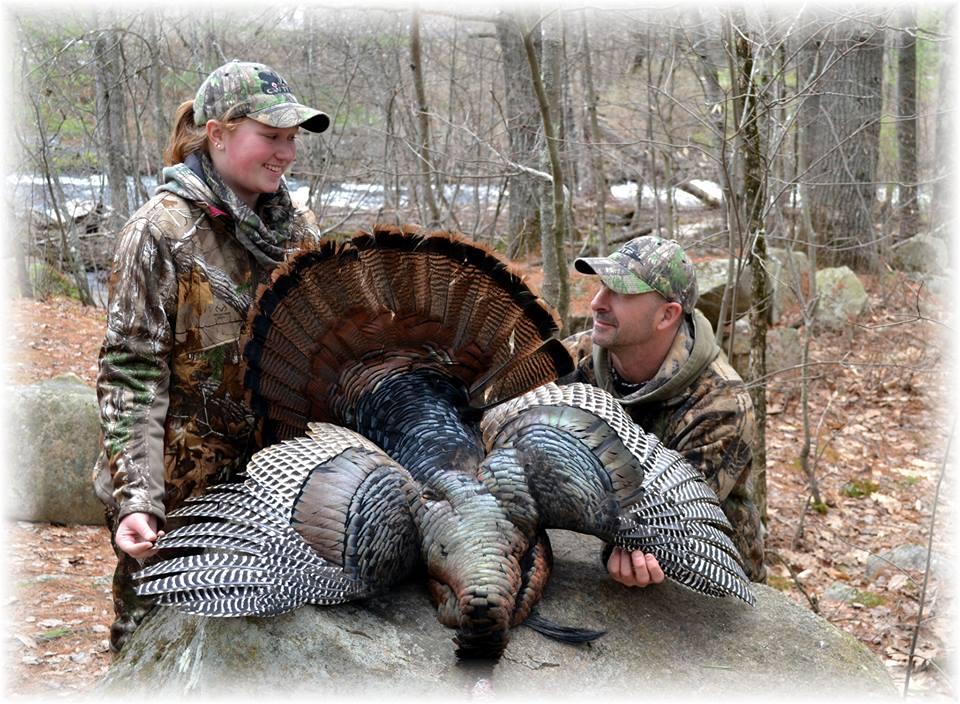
<point x="137" y="534"/>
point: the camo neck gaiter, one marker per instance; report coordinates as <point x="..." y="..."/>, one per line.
<point x="262" y="233"/>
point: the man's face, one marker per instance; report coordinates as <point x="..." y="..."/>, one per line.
<point x="623" y="320"/>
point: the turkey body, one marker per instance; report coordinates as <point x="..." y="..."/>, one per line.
<point x="404" y="382"/>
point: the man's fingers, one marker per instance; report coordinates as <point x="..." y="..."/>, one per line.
<point x="618" y="565"/>
<point x="641" y="576"/>
<point x="137" y="549"/>
<point x="634" y="569"/>
<point x="654" y="569"/>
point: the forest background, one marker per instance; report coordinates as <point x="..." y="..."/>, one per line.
<point x="550" y="131"/>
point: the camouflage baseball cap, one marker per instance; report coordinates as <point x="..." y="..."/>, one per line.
<point x="644" y="264"/>
<point x="256" y="91"/>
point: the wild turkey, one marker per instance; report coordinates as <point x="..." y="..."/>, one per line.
<point x="395" y="342"/>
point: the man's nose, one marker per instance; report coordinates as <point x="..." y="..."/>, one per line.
<point x="600" y="300"/>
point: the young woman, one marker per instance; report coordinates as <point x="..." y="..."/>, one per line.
<point x="172" y="409"/>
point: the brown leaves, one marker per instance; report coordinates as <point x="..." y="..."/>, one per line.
<point x="55" y="337"/>
<point x="878" y="442"/>
<point x="61" y="610"/>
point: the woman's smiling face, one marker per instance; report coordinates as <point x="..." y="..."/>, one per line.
<point x="252" y="157"/>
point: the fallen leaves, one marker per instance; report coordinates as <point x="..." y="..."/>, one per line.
<point x="879" y="456"/>
<point x="62" y="608"/>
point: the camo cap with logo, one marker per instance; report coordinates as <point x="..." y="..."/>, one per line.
<point x="644" y="264"/>
<point x="253" y="90"/>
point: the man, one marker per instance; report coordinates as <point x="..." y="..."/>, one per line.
<point x="656" y="353"/>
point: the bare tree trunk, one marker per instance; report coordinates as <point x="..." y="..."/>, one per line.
<point x="550" y="61"/>
<point x="71" y="261"/>
<point x="111" y="120"/>
<point x="161" y="122"/>
<point x="701" y="39"/>
<point x="907" y="121"/>
<point x="944" y="190"/>
<point x="555" y="285"/>
<point x="651" y="150"/>
<point x="747" y="112"/>
<point x="844" y="141"/>
<point x="522" y="125"/>
<point x="598" y="179"/>
<point x="808" y="307"/>
<point x="423" y="123"/>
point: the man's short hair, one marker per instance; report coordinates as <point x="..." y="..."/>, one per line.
<point x="644" y="264"/>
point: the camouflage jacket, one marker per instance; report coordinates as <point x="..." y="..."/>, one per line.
<point x="697" y="405"/>
<point x="173" y="415"/>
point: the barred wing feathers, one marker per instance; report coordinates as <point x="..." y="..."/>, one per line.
<point x="589" y="468"/>
<point x="322" y="519"/>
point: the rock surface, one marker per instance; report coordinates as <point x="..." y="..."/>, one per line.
<point x="712" y="280"/>
<point x="54" y="442"/>
<point x="923" y="253"/>
<point x="664" y="637"/>
<point x="789" y="271"/>
<point x="842" y="297"/>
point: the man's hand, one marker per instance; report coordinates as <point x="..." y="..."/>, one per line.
<point x="634" y="569"/>
<point x="137" y="534"/>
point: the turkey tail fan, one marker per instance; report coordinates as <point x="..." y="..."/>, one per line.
<point x="320" y="519"/>
<point x="591" y="469"/>
<point x="336" y="319"/>
<point x="520" y="374"/>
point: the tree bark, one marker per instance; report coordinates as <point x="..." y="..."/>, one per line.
<point x="555" y="288"/>
<point x="747" y="113"/>
<point x="111" y="117"/>
<point x="161" y="121"/>
<point x="844" y="141"/>
<point x="907" y="122"/>
<point x="598" y="178"/>
<point x="944" y="191"/>
<point x="523" y="126"/>
<point x="423" y="123"/>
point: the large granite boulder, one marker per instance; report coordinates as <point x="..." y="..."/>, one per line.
<point x="789" y="270"/>
<point x="784" y="357"/>
<point x="842" y="297"/>
<point x="663" y="639"/>
<point x="712" y="277"/>
<point x="54" y="443"/>
<point x="923" y="253"/>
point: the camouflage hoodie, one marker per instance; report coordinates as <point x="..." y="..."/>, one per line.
<point x="697" y="405"/>
<point x="172" y="410"/>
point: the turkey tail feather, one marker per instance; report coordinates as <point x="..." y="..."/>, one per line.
<point x="521" y="373"/>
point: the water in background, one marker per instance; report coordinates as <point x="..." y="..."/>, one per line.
<point x="82" y="194"/>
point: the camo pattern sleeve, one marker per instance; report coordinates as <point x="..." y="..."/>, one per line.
<point x="134" y="369"/>
<point x="173" y="413"/>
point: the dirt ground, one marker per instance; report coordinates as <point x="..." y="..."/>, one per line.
<point x="875" y="414"/>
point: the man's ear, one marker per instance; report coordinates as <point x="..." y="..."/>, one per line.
<point x="670" y="315"/>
